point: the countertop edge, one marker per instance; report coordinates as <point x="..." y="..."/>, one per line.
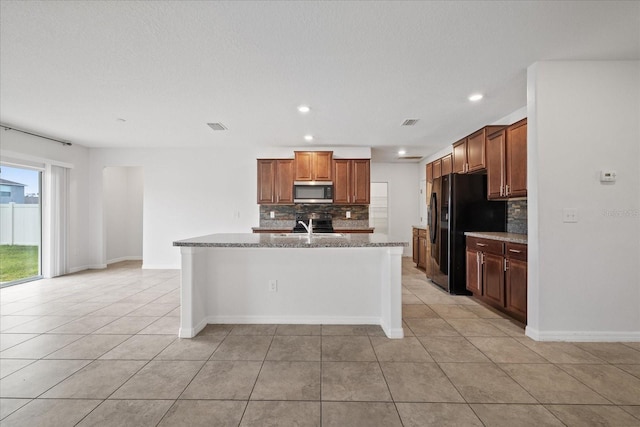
<point x="296" y="245"/>
<point x="501" y="236"/>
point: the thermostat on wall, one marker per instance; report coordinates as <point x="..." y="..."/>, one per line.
<point x="607" y="176"/>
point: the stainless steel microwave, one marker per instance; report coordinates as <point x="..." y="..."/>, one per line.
<point x="313" y="192"/>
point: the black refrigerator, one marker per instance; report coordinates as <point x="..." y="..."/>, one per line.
<point x="458" y="203"/>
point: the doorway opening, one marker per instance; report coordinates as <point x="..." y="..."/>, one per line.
<point x="20" y="225"/>
<point x="123" y="217"/>
<point x="378" y="207"/>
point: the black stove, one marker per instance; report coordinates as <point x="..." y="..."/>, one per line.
<point x="321" y="223"/>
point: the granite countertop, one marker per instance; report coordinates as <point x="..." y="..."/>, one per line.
<point x="495" y="235"/>
<point x="284" y="240"/>
<point x="337" y="229"/>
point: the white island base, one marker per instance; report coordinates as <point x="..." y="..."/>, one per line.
<point x="314" y="285"/>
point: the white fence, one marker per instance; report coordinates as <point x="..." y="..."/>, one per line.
<point x="19" y="224"/>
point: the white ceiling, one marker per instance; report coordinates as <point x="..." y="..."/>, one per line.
<point x="71" y="69"/>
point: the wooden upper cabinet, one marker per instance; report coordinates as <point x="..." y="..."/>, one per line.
<point x="496" y="144"/>
<point x="469" y="154"/>
<point x="430" y="172"/>
<point x="476" y="157"/>
<point x="313" y="165"/>
<point x="284" y="181"/>
<point x="507" y="162"/>
<point x="323" y="165"/>
<point x="266" y="181"/>
<point x="516" y="159"/>
<point x="447" y="166"/>
<point x="341" y="181"/>
<point x="361" y="181"/>
<point x="437" y="168"/>
<point x="275" y="181"/>
<point x="351" y="181"/>
<point x="459" y="156"/>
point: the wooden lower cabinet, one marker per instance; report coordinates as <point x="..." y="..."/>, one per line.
<point x="516" y="280"/>
<point x="493" y="278"/>
<point x="415" y="247"/>
<point x="474" y="271"/>
<point x="497" y="275"/>
<point x="420" y="247"/>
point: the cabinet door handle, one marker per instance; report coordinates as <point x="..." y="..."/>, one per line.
<point x="515" y="251"/>
<point x="479" y="265"/>
<point x="506" y="190"/>
<point x="481" y="244"/>
<point x="506" y="264"/>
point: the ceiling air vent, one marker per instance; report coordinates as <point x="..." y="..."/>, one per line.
<point x="216" y="126"/>
<point x="410" y="158"/>
<point x="410" y="122"/>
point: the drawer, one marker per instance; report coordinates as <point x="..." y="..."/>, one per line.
<point x="485" y="245"/>
<point x="516" y="251"/>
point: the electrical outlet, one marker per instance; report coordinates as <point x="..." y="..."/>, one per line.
<point x="273" y="286"/>
<point x="570" y="215"/>
<point x="348" y="214"/>
<point x="272" y="214"/>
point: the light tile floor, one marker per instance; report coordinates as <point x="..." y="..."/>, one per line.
<point x="100" y="348"/>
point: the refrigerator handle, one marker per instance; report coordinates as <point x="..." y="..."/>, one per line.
<point x="433" y="223"/>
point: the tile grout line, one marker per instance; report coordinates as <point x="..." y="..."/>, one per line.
<point x="384" y="377"/>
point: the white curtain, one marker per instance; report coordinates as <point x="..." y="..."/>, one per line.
<point x="56" y="221"/>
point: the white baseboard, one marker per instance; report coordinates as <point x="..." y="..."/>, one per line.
<point x="295" y="320"/>
<point x="161" y="267"/>
<point x="192" y="332"/>
<point x="124" y="258"/>
<point x="87" y="267"/>
<point x="582" y="336"/>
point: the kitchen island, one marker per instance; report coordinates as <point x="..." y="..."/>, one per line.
<point x="292" y="279"/>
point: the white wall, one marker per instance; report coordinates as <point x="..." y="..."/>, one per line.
<point x="187" y="193"/>
<point x="123" y="200"/>
<point x="584" y="280"/>
<point x="19" y="148"/>
<point x="404" y="193"/>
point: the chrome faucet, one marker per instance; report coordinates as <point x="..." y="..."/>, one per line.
<point x="309" y="228"/>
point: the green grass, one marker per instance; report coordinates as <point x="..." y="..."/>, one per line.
<point x="18" y="262"/>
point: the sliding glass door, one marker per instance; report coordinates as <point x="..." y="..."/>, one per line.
<point x="20" y="225"/>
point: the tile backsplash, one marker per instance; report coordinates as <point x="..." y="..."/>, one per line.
<point x="517" y="216"/>
<point x="286" y="214"/>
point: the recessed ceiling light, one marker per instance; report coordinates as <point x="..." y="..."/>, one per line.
<point x="308" y="138"/>
<point x="475" y="97"/>
<point x="304" y="109"/>
<point x="402" y="152"/>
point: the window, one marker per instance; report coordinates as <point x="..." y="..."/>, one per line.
<point x="20" y="225"/>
